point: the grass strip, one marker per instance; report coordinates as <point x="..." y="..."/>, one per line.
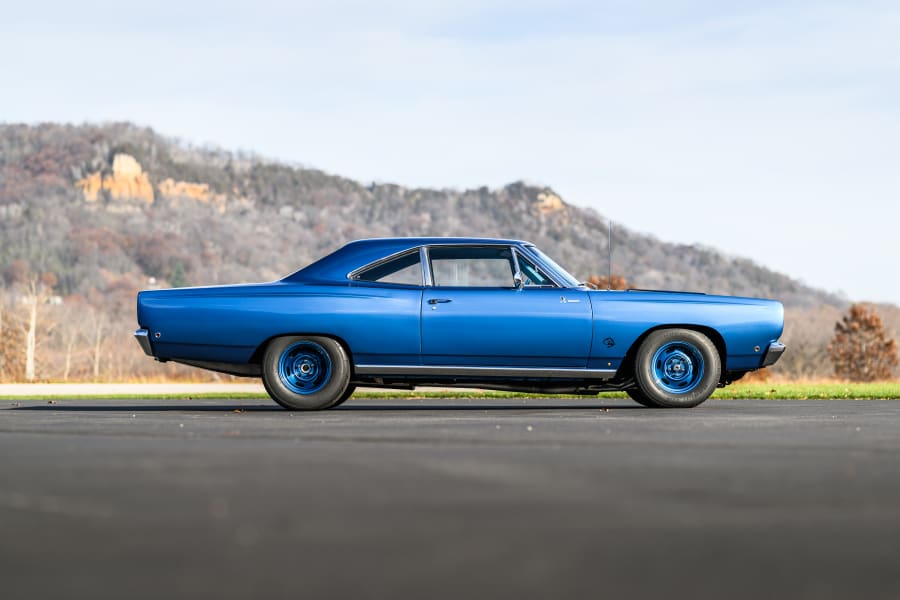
<point x="765" y="390"/>
<point x="886" y="390"/>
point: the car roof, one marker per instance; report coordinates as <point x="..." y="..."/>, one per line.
<point x="359" y="253"/>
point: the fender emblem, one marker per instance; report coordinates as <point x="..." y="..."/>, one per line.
<point x="609" y="342"/>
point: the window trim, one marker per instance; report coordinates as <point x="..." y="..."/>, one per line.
<point x="425" y="258"/>
<point x="427" y="272"/>
<point x="355" y="274"/>
<point x="509" y="247"/>
<point x="551" y="272"/>
<point x="539" y="267"/>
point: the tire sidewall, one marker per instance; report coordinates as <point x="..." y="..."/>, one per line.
<point x="638" y="396"/>
<point x="345" y="396"/>
<point x="330" y="393"/>
<point x="647" y="381"/>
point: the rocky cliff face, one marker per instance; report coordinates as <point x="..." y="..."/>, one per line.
<point x="126" y="181"/>
<point x="198" y="192"/>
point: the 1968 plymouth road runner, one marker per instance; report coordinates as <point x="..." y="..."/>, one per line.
<point x="487" y="313"/>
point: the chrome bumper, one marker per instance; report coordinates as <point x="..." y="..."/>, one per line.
<point x="773" y="353"/>
<point x="143" y="339"/>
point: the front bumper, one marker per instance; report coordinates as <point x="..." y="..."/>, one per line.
<point x="143" y="339"/>
<point x="773" y="353"/>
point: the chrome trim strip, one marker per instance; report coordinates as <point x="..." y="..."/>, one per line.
<point x="143" y="339"/>
<point x="539" y="372"/>
<point x="352" y="275"/>
<point x="426" y="266"/>
<point x="425" y="259"/>
<point x="518" y="269"/>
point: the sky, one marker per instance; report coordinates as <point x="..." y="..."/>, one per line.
<point x="766" y="129"/>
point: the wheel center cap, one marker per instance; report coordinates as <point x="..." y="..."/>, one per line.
<point x="677" y="367"/>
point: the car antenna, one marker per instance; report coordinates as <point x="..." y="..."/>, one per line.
<point x="609" y="256"/>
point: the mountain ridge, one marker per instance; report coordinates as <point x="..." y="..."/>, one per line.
<point x="109" y="206"/>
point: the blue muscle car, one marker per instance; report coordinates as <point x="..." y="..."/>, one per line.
<point x="487" y="313"/>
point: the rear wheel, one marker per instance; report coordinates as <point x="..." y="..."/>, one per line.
<point x="306" y="372"/>
<point x="676" y="368"/>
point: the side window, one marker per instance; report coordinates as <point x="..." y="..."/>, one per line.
<point x="403" y="270"/>
<point x="471" y="266"/>
<point x="534" y="277"/>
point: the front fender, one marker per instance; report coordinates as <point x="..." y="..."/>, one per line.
<point x="746" y="325"/>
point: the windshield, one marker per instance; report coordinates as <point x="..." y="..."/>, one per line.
<point x="560" y="273"/>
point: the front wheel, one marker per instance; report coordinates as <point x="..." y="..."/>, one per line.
<point x="676" y="368"/>
<point x="639" y="397"/>
<point x="345" y="396"/>
<point x="306" y="372"/>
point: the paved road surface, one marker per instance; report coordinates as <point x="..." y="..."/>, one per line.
<point x="449" y="499"/>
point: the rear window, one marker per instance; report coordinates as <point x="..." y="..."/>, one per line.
<point x="402" y="270"/>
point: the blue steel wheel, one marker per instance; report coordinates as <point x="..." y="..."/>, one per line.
<point x="306" y="372"/>
<point x="676" y="368"/>
<point x="304" y="367"/>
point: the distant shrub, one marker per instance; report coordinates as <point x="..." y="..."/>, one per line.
<point x="602" y="282"/>
<point x="860" y="349"/>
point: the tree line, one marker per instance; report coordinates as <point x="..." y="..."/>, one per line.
<point x="44" y="337"/>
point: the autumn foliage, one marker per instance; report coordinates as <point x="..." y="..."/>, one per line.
<point x="861" y="349"/>
<point x="602" y="282"/>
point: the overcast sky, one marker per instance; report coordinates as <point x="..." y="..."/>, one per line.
<point x="767" y="129"/>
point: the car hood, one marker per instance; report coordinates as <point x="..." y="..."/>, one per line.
<point x="676" y="296"/>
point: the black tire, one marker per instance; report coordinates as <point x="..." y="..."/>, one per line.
<point x="306" y="372"/>
<point x="639" y="397"/>
<point x="677" y="368"/>
<point x="346" y="396"/>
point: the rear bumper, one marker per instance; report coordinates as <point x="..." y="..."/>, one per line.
<point x="143" y="339"/>
<point x="773" y="353"/>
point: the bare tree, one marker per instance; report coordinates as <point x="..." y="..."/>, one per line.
<point x="98" y="325"/>
<point x="70" y="335"/>
<point x="3" y="344"/>
<point x="32" y="300"/>
<point x="37" y="291"/>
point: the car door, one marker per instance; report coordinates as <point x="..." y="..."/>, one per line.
<point x="383" y="322"/>
<point x="473" y="314"/>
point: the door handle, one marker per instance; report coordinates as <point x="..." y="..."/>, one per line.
<point x="439" y="300"/>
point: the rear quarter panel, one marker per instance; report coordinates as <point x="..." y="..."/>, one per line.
<point x="229" y="323"/>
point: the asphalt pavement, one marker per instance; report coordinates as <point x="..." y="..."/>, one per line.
<point x="545" y="498"/>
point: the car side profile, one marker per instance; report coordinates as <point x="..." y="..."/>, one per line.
<point x="459" y="312"/>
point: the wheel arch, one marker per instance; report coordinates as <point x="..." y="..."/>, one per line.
<point x="714" y="336"/>
<point x="257" y="356"/>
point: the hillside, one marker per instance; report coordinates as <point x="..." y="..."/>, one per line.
<point x="108" y="207"/>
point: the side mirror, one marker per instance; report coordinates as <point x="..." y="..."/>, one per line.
<point x="519" y="280"/>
